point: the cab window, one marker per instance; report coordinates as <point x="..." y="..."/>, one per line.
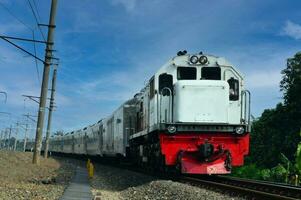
<point x="152" y="88"/>
<point x="211" y="73"/>
<point x="165" y="81"/>
<point x="233" y="89"/>
<point x="186" y="73"/>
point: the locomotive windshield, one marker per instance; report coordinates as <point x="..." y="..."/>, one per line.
<point x="211" y="73"/>
<point x="186" y="73"/>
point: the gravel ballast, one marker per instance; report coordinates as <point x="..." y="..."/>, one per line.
<point x="115" y="183"/>
<point x="20" y="179"/>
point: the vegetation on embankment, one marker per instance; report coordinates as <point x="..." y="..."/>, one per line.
<point x="275" y="151"/>
<point x="20" y="179"/>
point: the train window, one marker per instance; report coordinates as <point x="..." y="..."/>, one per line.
<point x="165" y="81"/>
<point x="186" y="73"/>
<point x="233" y="89"/>
<point x="152" y="88"/>
<point x="211" y="73"/>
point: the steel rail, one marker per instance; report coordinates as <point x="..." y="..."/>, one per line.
<point x="249" y="189"/>
<point x="255" y="189"/>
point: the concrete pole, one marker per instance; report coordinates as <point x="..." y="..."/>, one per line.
<point x="8" y="146"/>
<point x="25" y="137"/>
<point x="5" y="138"/>
<point x="17" y="130"/>
<point x="44" y="88"/>
<point x="53" y="85"/>
<point x="1" y="139"/>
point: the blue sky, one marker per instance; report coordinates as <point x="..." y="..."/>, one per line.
<point x="109" y="48"/>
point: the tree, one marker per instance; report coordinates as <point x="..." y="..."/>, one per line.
<point x="277" y="130"/>
<point x="291" y="86"/>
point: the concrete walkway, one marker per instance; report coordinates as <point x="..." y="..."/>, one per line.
<point x="79" y="188"/>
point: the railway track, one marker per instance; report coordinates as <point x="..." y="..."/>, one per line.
<point x="251" y="189"/>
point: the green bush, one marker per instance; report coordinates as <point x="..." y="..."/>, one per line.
<point x="247" y="171"/>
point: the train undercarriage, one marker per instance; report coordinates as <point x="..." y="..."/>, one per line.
<point x="190" y="152"/>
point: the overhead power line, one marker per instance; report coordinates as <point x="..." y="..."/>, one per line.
<point x="31" y="29"/>
<point x="37" y="10"/>
<point x="36" y="61"/>
<point x="13" y="15"/>
<point x="36" y="19"/>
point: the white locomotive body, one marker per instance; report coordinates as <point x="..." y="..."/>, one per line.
<point x="194" y="109"/>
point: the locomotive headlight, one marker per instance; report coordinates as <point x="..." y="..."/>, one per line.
<point x="203" y="60"/>
<point x="194" y="59"/>
<point x="171" y="129"/>
<point x="239" y="130"/>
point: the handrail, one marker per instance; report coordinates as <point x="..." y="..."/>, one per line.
<point x="169" y="103"/>
<point x="245" y="107"/>
<point x="237" y="74"/>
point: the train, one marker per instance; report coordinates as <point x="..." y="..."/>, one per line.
<point x="192" y="116"/>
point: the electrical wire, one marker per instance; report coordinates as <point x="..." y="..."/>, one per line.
<point x="33" y="36"/>
<point x="36" y="8"/>
<point x="36" y="19"/>
<point x="36" y="61"/>
<point x="13" y="15"/>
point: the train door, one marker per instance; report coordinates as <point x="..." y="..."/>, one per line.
<point x="73" y="143"/>
<point x="165" y="98"/>
<point x="234" y="110"/>
<point x="85" y="143"/>
<point x="152" y="104"/>
<point x="139" y="116"/>
<point x="110" y="134"/>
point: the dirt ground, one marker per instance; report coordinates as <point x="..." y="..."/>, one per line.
<point x="20" y="179"/>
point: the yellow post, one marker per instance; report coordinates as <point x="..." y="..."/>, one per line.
<point x="91" y="170"/>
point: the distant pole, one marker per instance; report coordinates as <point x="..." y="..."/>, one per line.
<point x="8" y="146"/>
<point x="25" y="137"/>
<point x="44" y="88"/>
<point x="1" y="139"/>
<point x="17" y="130"/>
<point x="5" y="139"/>
<point x="53" y="85"/>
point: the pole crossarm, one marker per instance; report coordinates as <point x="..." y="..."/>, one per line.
<point x="47" y="25"/>
<point x="25" y="39"/>
<point x="33" y="98"/>
<point x="29" y="117"/>
<point x="22" y="49"/>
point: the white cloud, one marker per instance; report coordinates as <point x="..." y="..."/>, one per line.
<point x="292" y="30"/>
<point x="264" y="79"/>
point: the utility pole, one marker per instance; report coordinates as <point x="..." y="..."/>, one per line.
<point x="17" y="130"/>
<point x="1" y="139"/>
<point x="44" y="88"/>
<point x="53" y="85"/>
<point x="8" y="147"/>
<point x="5" y="138"/>
<point x="25" y="137"/>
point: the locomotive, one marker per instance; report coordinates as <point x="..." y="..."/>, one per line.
<point x="193" y="115"/>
